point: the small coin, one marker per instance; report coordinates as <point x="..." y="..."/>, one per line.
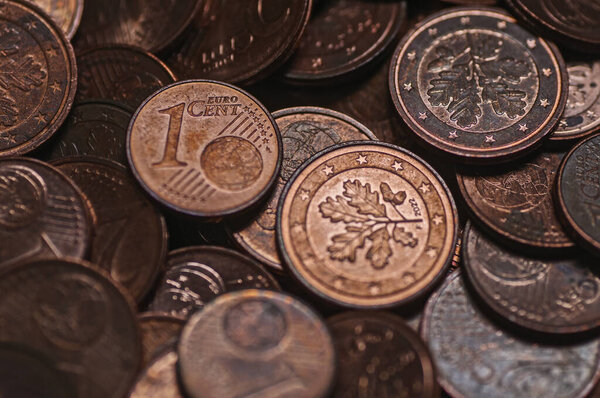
<point x="159" y="379"/>
<point x="367" y="225"/>
<point x="477" y="86"/>
<point x="204" y="148"/>
<point x="66" y="14"/>
<point x="379" y="355"/>
<point x="39" y="77"/>
<point x="158" y="330"/>
<point x="259" y="343"/>
<point x="305" y="131"/>
<point x="197" y="275"/>
<point x="72" y="312"/>
<point x="475" y="358"/>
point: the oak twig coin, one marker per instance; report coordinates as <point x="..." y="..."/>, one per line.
<point x="66" y="14"/>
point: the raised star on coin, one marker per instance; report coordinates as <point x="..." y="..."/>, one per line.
<point x="328" y="170"/>
<point x="408" y="86"/>
<point x="361" y="159"/>
<point x="523" y="127"/>
<point x="422" y="115"/>
<point x="544" y="102"/>
<point x="397" y="166"/>
<point x="453" y="135"/>
<point x="490" y="139"/>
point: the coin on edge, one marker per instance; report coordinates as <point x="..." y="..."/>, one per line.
<point x="66" y="14"/>
<point x="159" y="379"/>
<point x="256" y="343"/>
<point x="477" y="86"/>
<point x="158" y="330"/>
<point x="367" y="225"/>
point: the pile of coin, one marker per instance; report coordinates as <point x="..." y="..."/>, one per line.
<point x="299" y="198"/>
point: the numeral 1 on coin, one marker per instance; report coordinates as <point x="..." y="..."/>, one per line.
<point x="169" y="158"/>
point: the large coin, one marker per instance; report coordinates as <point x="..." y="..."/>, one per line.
<point x="66" y="13"/>
<point x="159" y="379"/>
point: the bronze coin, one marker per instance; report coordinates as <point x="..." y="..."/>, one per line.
<point x="305" y="131"/>
<point x="197" y="275"/>
<point x="130" y="239"/>
<point x="204" y="148"/>
<point x="72" y="312"/>
<point x="343" y="36"/>
<point x="159" y="379"/>
<point x="475" y="85"/>
<point x="42" y="213"/>
<point x="476" y="358"/>
<point x="66" y="14"/>
<point x="158" y="330"/>
<point x="516" y="202"/>
<point x="379" y="355"/>
<point x="240" y="41"/>
<point x="39" y="77"/>
<point x="256" y="343"/>
<point x="366" y="225"/>
<point x="120" y="73"/>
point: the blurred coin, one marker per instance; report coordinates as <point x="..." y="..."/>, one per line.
<point x="66" y="14"/>
<point x="158" y="330"/>
<point x="159" y="379"/>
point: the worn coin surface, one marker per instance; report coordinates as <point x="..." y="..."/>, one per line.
<point x="159" y="379"/>
<point x="304" y="131"/>
<point x="204" y="148"/>
<point x="475" y="358"/>
<point x="379" y="355"/>
<point x="260" y="344"/>
<point x="158" y="330"/>
<point x="66" y="13"/>
<point x="130" y="236"/>
<point x="197" y="275"/>
<point x="39" y="77"/>
<point x="73" y="313"/>
<point x="367" y="225"/>
<point x="474" y="84"/>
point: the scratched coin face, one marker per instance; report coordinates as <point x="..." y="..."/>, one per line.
<point x="65" y="13"/>
<point x="367" y="225"/>
<point x="204" y="148"/>
<point x="158" y="331"/>
<point x="477" y="86"/>
<point x="259" y="343"/>
<point x="159" y="379"/>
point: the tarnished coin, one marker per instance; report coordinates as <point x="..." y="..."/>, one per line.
<point x="39" y="77"/>
<point x="379" y="355"/>
<point x="260" y="344"/>
<point x="73" y="313"/>
<point x="197" y="275"/>
<point x="475" y="358"/>
<point x="516" y="202"/>
<point x="66" y="14"/>
<point x="305" y="131"/>
<point x="159" y="379"/>
<point x="367" y="225"/>
<point x="120" y="73"/>
<point x="204" y="148"/>
<point x="158" y="330"/>
<point x="477" y="86"/>
<point x="240" y="41"/>
<point x="547" y="295"/>
<point x="343" y="36"/>
<point x="42" y="213"/>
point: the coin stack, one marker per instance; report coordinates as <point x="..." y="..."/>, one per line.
<point x="299" y="198"/>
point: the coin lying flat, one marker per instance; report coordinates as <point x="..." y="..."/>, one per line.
<point x="259" y="343"/>
<point x="66" y="14"/>
<point x="379" y="355"/>
<point x="39" y="77"/>
<point x="475" y="358"/>
<point x="477" y="86"/>
<point x="305" y="131"/>
<point x="204" y="148"/>
<point x="158" y="330"/>
<point x="367" y="225"/>
<point x="159" y="379"/>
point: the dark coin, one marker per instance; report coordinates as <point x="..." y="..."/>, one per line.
<point x="158" y="330"/>
<point x="475" y="358"/>
<point x="516" y="201"/>
<point x="120" y="73"/>
<point x="42" y="213"/>
<point x="240" y="41"/>
<point x="73" y="313"/>
<point x="477" y="86"/>
<point x="130" y="239"/>
<point x="196" y="275"/>
<point x="472" y="2"/>
<point x="39" y="77"/>
<point x="379" y="355"/>
<point x="553" y="296"/>
<point x="66" y="14"/>
<point x="343" y="36"/>
<point x="159" y="379"/>
<point x="260" y="344"/>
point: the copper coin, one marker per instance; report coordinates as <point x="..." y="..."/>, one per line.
<point x="343" y="36"/>
<point x="240" y="41"/>
<point x="379" y="355"/>
<point x="204" y="148"/>
<point x="130" y="239"/>
<point x="66" y="14"/>
<point x="72" y="312"/>
<point x="197" y="275"/>
<point x="39" y="77"/>
<point x="159" y="379"/>
<point x="472" y="83"/>
<point x="367" y="225"/>
<point x="258" y="344"/>
<point x="476" y="358"/>
<point x="158" y="330"/>
<point x="516" y="202"/>
<point x="305" y="131"/>
<point x="120" y="73"/>
<point x="42" y="213"/>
